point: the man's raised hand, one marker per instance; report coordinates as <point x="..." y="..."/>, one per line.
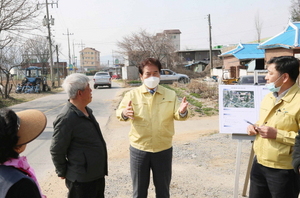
<point x="183" y="106"/>
<point x="128" y="111"/>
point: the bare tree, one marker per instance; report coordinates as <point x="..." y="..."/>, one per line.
<point x="16" y="16"/>
<point x="141" y="45"/>
<point x="258" y="26"/>
<point x="38" y="47"/>
<point x="295" y="10"/>
<point x="11" y="57"/>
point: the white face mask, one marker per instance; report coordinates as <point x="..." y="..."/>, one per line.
<point x="271" y="86"/>
<point x="151" y="82"/>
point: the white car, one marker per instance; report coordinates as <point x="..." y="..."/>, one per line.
<point x="102" y="79"/>
<point x="169" y="76"/>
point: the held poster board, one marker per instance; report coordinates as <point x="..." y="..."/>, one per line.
<point x="238" y="103"/>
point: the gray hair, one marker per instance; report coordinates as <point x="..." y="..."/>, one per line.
<point x="75" y="82"/>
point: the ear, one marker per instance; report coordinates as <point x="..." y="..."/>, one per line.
<point x="286" y="77"/>
<point x="141" y="77"/>
<point x="20" y="149"/>
<point x="79" y="93"/>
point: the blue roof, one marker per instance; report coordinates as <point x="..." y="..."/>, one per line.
<point x="289" y="38"/>
<point x="246" y="51"/>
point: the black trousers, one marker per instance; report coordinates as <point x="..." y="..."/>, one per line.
<point x="273" y="183"/>
<point x="93" y="189"/>
<point x="160" y="163"/>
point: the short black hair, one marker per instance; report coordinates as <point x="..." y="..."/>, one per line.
<point x="149" y="61"/>
<point x="286" y="64"/>
<point x="8" y="134"/>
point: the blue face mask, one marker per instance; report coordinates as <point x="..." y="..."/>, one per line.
<point x="272" y="87"/>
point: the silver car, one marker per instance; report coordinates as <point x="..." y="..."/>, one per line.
<point x="102" y="79"/>
<point x="169" y="76"/>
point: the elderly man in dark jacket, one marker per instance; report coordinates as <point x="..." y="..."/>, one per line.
<point x="78" y="149"/>
<point x="296" y="154"/>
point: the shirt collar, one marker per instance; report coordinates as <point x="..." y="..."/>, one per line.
<point x="157" y="89"/>
<point x="153" y="89"/>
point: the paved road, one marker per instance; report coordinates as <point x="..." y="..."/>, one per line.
<point x="37" y="152"/>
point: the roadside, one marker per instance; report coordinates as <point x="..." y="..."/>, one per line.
<point x="203" y="163"/>
<point x="17" y="98"/>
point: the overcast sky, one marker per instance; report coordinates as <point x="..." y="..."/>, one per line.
<point x="101" y="23"/>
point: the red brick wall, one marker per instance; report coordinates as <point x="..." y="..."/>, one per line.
<point x="230" y="61"/>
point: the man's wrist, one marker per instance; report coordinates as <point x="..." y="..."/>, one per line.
<point x="123" y="116"/>
<point x="183" y="114"/>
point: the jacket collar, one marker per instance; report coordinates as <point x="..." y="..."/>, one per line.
<point x="288" y="97"/>
<point x="77" y="111"/>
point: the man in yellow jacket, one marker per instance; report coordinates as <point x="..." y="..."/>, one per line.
<point x="272" y="173"/>
<point x="151" y="109"/>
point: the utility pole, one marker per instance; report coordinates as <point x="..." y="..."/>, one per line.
<point x="47" y="22"/>
<point x="73" y="57"/>
<point x="70" y="61"/>
<point x="210" y="47"/>
<point x="81" y="56"/>
<point x="50" y="42"/>
<point x="57" y="62"/>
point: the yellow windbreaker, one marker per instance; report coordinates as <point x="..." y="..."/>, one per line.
<point x="152" y="129"/>
<point x="285" y="117"/>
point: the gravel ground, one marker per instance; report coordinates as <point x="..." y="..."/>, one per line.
<point x="203" y="162"/>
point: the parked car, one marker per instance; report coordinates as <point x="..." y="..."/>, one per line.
<point x="116" y="76"/>
<point x="102" y="79"/>
<point x="249" y="80"/>
<point x="169" y="76"/>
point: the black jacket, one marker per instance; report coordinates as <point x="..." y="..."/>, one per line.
<point x="78" y="149"/>
<point x="15" y="184"/>
<point x="296" y="153"/>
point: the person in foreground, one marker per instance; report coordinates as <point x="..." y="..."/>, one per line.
<point x="272" y="173"/>
<point x="78" y="149"/>
<point x="151" y="109"/>
<point x="17" y="178"/>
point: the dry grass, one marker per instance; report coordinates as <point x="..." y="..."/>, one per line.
<point x="202" y="96"/>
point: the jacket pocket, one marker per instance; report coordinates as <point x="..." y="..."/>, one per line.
<point x="166" y="109"/>
<point x="140" y="110"/>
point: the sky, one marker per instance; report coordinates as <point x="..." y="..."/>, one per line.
<point x="100" y="24"/>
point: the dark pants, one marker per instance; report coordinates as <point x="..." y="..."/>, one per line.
<point x="93" y="189"/>
<point x="273" y="183"/>
<point x="161" y="165"/>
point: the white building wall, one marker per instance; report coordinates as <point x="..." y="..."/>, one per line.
<point x="130" y="73"/>
<point x="175" y="38"/>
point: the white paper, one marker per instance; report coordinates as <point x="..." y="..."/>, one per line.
<point x="238" y="103"/>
